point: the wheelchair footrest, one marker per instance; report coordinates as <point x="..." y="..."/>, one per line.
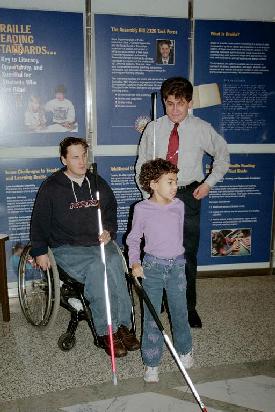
<point x="76" y="304"/>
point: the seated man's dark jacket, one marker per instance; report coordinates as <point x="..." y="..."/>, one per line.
<point x="66" y="214"/>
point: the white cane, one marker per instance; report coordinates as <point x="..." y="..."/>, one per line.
<point x="106" y="289"/>
<point x="154" y="116"/>
<point x="169" y="343"/>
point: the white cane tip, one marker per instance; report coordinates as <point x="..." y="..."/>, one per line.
<point x="114" y="379"/>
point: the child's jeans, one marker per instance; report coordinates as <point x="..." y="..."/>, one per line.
<point x="168" y="274"/>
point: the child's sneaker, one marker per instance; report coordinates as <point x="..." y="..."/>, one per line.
<point x="151" y="374"/>
<point x="187" y="360"/>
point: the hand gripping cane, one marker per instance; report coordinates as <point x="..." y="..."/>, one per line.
<point x="169" y="344"/>
<point x="106" y="289"/>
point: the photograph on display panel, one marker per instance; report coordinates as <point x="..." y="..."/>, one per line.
<point x="165" y="51"/>
<point x="235" y="242"/>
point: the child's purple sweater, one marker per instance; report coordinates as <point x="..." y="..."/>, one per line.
<point x="162" y="227"/>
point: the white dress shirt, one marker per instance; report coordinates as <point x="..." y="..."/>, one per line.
<point x="196" y="137"/>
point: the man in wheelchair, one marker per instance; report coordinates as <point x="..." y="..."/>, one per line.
<point x="65" y="218"/>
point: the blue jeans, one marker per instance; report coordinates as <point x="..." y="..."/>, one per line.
<point x="85" y="265"/>
<point x="170" y="276"/>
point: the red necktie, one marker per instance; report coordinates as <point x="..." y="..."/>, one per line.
<point x="173" y="146"/>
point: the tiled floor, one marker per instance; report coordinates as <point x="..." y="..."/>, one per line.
<point x="234" y="360"/>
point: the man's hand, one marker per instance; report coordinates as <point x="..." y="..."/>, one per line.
<point x="43" y="262"/>
<point x="105" y="237"/>
<point x="137" y="270"/>
<point x="201" y="191"/>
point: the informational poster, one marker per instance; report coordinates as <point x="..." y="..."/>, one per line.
<point x="20" y="180"/>
<point x="134" y="55"/>
<point x="42" y="93"/>
<point x="239" y="56"/>
<point x="237" y="214"/>
<point x="120" y="174"/>
<point x="236" y="217"/>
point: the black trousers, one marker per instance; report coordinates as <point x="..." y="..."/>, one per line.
<point x="191" y="236"/>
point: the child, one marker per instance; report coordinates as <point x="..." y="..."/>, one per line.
<point x="160" y="220"/>
<point x="35" y="118"/>
<point x="62" y="109"/>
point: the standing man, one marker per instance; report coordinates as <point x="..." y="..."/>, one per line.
<point x="65" y="218"/>
<point x="183" y="139"/>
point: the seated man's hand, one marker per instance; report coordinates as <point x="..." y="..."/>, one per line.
<point x="43" y="262"/>
<point x="105" y="237"/>
<point x="137" y="270"/>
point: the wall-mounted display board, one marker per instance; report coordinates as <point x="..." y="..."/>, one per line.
<point x="239" y="56"/>
<point x="130" y="65"/>
<point x="237" y="214"/>
<point x="119" y="172"/>
<point x="42" y="91"/>
<point x="20" y="180"/>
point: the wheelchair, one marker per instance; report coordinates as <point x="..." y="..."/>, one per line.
<point x="41" y="293"/>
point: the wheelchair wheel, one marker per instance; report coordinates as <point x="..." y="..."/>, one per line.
<point x="39" y="291"/>
<point x="66" y="341"/>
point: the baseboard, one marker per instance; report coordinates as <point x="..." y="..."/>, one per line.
<point x="235" y="273"/>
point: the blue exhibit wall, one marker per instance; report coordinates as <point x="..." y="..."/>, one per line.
<point x="237" y="214"/>
<point x="239" y="57"/>
<point x="39" y="50"/>
<point x="20" y="180"/>
<point x="128" y="71"/>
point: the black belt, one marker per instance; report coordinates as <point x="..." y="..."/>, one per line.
<point x="192" y="185"/>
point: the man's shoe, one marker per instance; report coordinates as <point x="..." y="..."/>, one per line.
<point x="194" y="319"/>
<point x="128" y="338"/>
<point x="151" y="374"/>
<point x="119" y="348"/>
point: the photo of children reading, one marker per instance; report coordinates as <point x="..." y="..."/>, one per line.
<point x="61" y="111"/>
<point x="56" y="115"/>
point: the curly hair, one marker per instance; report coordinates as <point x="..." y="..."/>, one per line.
<point x="153" y="170"/>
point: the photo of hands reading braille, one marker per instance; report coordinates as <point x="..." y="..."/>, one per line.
<point x="228" y="242"/>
